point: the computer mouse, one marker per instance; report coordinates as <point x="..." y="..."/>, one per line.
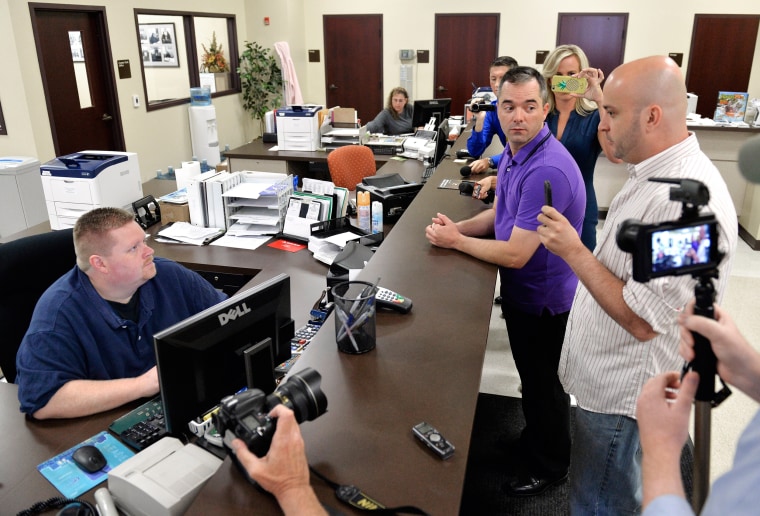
<point x="89" y="458"/>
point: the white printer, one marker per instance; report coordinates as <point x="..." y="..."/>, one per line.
<point x="298" y="128"/>
<point x="77" y="183"/>
<point x="163" y="479"/>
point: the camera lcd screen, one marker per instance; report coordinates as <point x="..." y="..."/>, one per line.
<point x="683" y="248"/>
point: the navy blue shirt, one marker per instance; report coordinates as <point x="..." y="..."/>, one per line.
<point x="580" y="137"/>
<point x="75" y="334"/>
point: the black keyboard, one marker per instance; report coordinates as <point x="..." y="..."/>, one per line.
<point x="142" y="426"/>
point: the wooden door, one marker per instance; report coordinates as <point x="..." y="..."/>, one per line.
<point x="465" y="45"/>
<point x="79" y="84"/>
<point x="354" y="63"/>
<point x="721" y="55"/>
<point x="601" y="36"/>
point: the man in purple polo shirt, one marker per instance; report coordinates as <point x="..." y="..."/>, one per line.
<point x="536" y="287"/>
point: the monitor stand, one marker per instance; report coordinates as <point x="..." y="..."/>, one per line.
<point x="259" y="366"/>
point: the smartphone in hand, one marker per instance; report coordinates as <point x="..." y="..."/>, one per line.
<point x="547" y="193"/>
<point x="567" y="84"/>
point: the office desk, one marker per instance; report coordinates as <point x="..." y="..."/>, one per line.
<point x="427" y="366"/>
<point x="256" y="155"/>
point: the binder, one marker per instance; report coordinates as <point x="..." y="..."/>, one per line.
<point x="215" y="188"/>
<point x="196" y="198"/>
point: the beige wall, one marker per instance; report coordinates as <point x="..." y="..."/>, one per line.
<point x="162" y="137"/>
<point x="654" y="27"/>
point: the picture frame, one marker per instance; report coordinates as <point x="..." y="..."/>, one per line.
<point x="158" y="43"/>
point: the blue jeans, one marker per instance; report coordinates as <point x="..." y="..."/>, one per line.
<point x="605" y="465"/>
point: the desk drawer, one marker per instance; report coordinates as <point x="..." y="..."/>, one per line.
<point x="295" y="138"/>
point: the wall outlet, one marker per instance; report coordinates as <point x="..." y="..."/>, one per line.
<point x="136" y="101"/>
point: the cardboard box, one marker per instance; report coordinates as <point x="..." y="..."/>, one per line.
<point x="344" y="118"/>
<point x="171" y="212"/>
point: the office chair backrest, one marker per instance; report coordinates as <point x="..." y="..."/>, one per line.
<point x="28" y="266"/>
<point x="350" y="164"/>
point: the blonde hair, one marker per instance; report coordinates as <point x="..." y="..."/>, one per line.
<point x="389" y="105"/>
<point x="91" y="233"/>
<point x="583" y="107"/>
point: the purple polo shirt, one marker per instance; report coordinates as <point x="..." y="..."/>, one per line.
<point x="546" y="281"/>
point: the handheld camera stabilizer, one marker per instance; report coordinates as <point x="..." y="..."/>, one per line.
<point x="686" y="246"/>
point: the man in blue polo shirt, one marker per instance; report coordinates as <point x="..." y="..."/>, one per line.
<point x="89" y="346"/>
<point x="487" y="122"/>
<point x="536" y="287"/>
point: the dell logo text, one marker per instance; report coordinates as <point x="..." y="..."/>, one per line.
<point x="233" y="314"/>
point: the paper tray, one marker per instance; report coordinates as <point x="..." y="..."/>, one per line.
<point x="330" y="227"/>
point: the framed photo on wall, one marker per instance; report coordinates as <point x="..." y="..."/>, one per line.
<point x="158" y="43"/>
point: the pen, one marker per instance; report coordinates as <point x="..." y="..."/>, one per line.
<point x="369" y="289"/>
<point x="212" y="238"/>
<point x="340" y="315"/>
<point x="352" y="326"/>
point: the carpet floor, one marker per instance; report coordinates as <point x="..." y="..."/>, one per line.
<point x="488" y="468"/>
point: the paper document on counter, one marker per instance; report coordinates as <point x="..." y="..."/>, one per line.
<point x="187" y="233"/>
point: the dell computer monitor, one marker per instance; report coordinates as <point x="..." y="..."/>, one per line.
<point x="424" y="110"/>
<point x="232" y="345"/>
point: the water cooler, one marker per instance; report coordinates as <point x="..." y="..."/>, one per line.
<point x="203" y="135"/>
<point x="22" y="201"/>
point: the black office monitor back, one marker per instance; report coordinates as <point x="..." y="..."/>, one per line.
<point x="205" y="357"/>
<point x="424" y="110"/>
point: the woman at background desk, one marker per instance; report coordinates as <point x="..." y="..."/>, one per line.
<point x="396" y="118"/>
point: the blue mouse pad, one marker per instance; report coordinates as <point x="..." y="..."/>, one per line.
<point x="70" y="479"/>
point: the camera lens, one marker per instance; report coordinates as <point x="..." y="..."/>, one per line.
<point x="476" y="108"/>
<point x="301" y="393"/>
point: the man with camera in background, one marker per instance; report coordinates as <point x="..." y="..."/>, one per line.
<point x="486" y="121"/>
<point x="621" y="332"/>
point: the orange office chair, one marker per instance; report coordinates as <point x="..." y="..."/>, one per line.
<point x="350" y="164"/>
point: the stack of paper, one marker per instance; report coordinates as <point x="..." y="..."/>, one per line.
<point x="326" y="249"/>
<point x="183" y="232"/>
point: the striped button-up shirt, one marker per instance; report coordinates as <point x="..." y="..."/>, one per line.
<point x="602" y="364"/>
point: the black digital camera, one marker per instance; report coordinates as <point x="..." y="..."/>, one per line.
<point x="482" y="106"/>
<point x="246" y="415"/>
<point x="688" y="245"/>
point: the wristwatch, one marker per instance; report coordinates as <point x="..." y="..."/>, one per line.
<point x="491" y="164"/>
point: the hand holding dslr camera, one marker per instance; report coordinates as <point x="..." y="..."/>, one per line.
<point x="246" y="415"/>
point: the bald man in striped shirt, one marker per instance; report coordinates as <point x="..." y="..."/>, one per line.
<point x="620" y="332"/>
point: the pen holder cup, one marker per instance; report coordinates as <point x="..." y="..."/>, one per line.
<point x="354" y="316"/>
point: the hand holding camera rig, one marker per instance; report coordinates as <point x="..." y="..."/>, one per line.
<point x="688" y="245"/>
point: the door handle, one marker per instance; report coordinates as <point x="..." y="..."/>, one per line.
<point x="106" y="117"/>
<point x="441" y="88"/>
<point x="332" y="87"/>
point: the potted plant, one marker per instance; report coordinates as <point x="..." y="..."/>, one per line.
<point x="260" y="81"/>
<point x="213" y="61"/>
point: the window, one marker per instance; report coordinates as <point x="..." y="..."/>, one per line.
<point x="181" y="50"/>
